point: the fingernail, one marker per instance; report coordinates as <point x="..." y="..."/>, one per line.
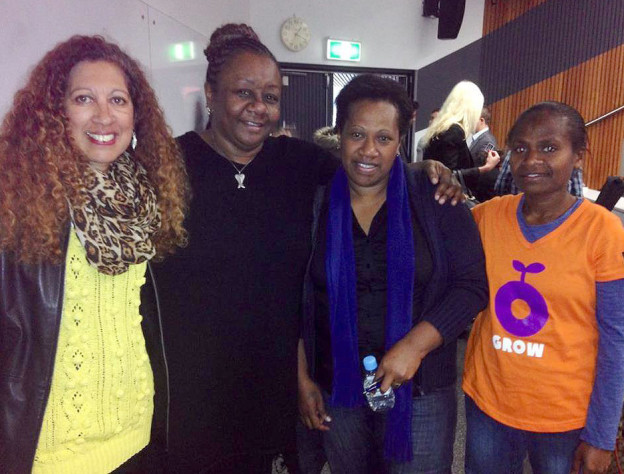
<point x="436" y="197"/>
<point x="328" y="419"/>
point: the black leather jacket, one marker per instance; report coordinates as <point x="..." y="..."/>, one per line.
<point x="31" y="304"/>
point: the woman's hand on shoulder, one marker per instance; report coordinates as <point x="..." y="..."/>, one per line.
<point x="448" y="188"/>
<point x="311" y="405"/>
<point x="590" y="459"/>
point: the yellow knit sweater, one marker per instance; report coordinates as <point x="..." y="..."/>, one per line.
<point x="99" y="413"/>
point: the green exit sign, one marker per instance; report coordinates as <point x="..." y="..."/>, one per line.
<point x="182" y="51"/>
<point x="344" y="50"/>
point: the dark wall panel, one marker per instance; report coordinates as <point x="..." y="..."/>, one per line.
<point x="305" y="103"/>
<point x="566" y="50"/>
<point x="594" y="88"/>
<point x="499" y="13"/>
<point x="544" y="41"/>
<point x="436" y="80"/>
<point x="552" y="37"/>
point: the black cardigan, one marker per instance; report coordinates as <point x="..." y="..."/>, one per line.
<point x="450" y="148"/>
<point x="458" y="288"/>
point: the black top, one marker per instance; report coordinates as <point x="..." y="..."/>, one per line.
<point x="450" y="148"/>
<point x="371" y="289"/>
<point x="231" y="301"/>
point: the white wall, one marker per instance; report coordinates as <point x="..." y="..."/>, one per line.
<point x="392" y="32"/>
<point x="179" y="85"/>
<point x="31" y="27"/>
<point x="204" y="16"/>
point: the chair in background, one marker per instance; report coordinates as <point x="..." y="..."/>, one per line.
<point x="611" y="191"/>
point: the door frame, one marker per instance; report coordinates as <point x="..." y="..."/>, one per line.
<point x="410" y="74"/>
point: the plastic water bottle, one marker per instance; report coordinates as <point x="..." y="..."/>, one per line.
<point x="378" y="401"/>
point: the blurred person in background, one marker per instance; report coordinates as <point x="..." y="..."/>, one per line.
<point x="482" y="142"/>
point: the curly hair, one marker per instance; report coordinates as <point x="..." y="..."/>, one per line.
<point x="462" y="106"/>
<point x="376" y="88"/>
<point x="227" y="42"/>
<point x="41" y="168"/>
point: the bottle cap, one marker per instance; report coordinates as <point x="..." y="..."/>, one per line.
<point x="370" y="363"/>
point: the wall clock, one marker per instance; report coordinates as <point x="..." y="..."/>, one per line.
<point x="295" y="33"/>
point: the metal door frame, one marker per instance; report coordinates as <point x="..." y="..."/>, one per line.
<point x="410" y="74"/>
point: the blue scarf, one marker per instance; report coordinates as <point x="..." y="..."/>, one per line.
<point x="341" y="287"/>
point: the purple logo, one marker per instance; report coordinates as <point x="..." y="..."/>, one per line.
<point x="520" y="290"/>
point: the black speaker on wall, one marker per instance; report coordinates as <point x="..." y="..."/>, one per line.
<point x="451" y="15"/>
<point x="430" y="8"/>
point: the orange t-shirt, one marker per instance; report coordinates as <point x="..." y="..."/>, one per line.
<point x="531" y="355"/>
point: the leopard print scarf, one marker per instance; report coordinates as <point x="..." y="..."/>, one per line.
<point x="121" y="215"/>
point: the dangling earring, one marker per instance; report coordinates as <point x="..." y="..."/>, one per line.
<point x="208" y="113"/>
<point x="133" y="143"/>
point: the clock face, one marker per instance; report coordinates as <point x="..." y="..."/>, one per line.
<point x="295" y="34"/>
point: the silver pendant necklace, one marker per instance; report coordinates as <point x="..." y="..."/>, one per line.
<point x="239" y="176"/>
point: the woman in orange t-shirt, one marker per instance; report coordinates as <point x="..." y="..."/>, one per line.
<point x="544" y="372"/>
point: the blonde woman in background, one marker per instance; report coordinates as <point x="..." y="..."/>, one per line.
<point x="445" y="139"/>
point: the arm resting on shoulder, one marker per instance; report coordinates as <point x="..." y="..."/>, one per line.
<point x="448" y="188"/>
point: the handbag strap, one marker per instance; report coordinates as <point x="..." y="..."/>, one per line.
<point x="460" y="177"/>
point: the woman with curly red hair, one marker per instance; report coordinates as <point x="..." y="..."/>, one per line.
<point x="93" y="187"/>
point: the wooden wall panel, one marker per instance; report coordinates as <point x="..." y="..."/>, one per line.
<point x="499" y="12"/>
<point x="594" y="88"/>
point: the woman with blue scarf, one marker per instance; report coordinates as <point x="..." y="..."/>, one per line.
<point x="392" y="274"/>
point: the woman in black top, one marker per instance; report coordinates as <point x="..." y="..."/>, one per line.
<point x="393" y="275"/>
